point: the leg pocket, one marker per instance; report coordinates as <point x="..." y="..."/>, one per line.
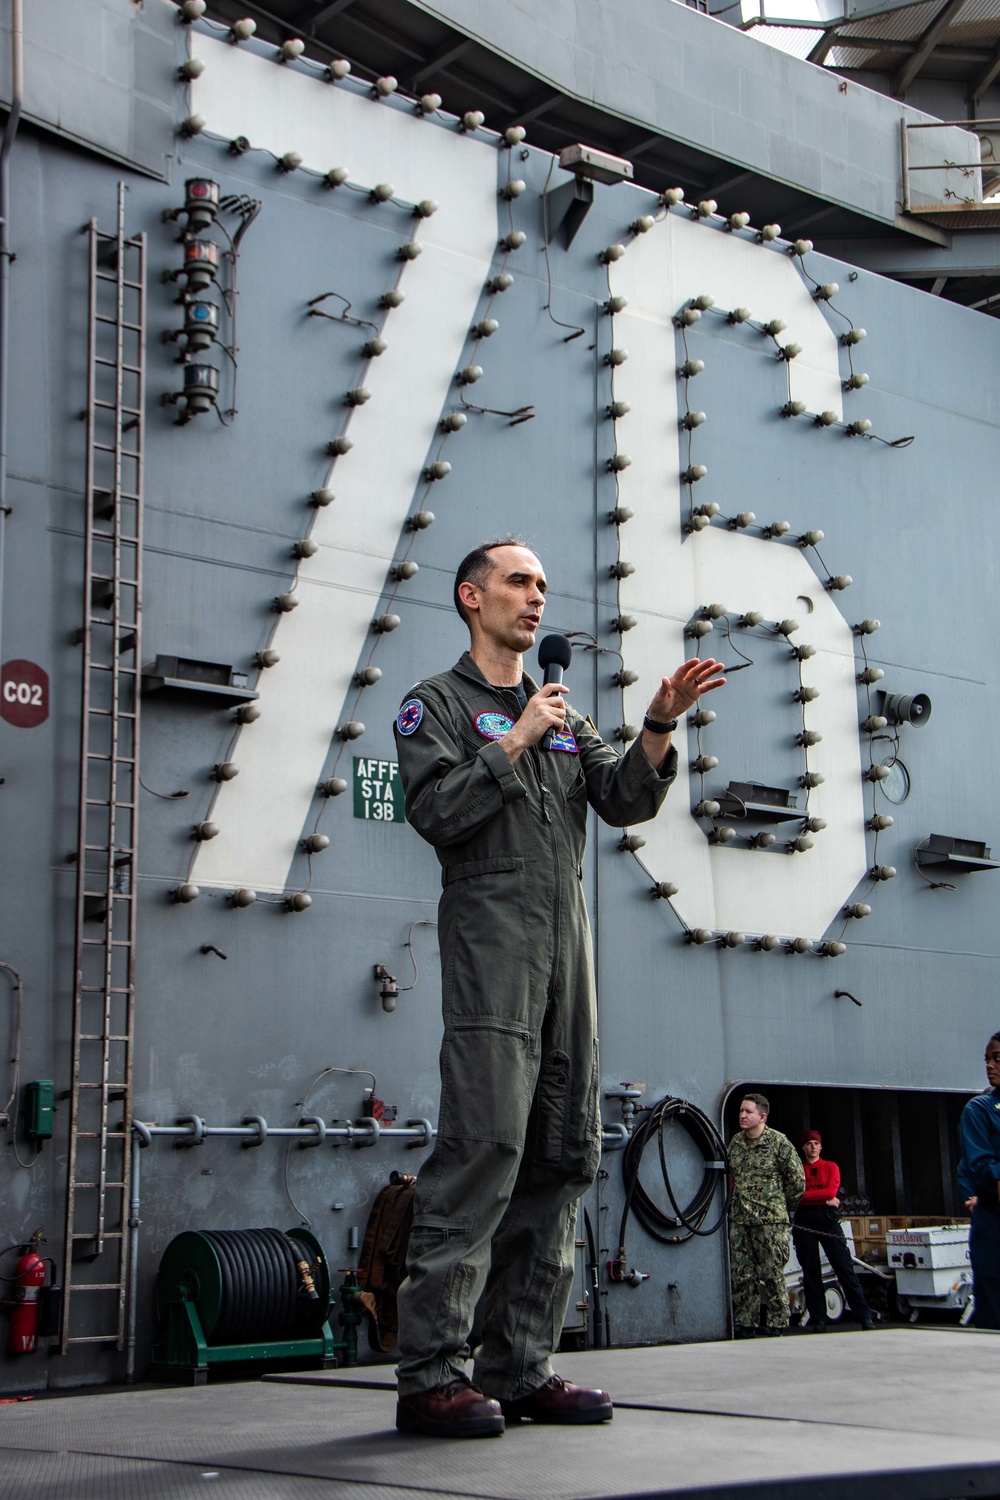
<point x="551" y="1103"/>
<point x="488" y="1074"/>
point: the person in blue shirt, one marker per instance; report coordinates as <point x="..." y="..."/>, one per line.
<point x="979" y="1177"/>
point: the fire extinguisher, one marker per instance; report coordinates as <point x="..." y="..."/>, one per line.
<point x="29" y="1278"/>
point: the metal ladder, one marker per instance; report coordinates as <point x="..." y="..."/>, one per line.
<point x="100" y="1095"/>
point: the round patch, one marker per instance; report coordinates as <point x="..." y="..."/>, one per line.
<point x="409" y="716"/>
<point x="493" y="726"/>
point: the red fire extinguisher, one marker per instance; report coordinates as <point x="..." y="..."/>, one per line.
<point x="29" y="1279"/>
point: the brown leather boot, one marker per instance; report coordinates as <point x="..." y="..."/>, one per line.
<point x="456" y="1410"/>
<point x="559" y="1401"/>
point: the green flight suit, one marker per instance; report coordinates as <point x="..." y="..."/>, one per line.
<point x="768" y="1181"/>
<point x="519" y="1126"/>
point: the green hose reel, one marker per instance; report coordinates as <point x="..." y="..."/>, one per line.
<point x="229" y="1296"/>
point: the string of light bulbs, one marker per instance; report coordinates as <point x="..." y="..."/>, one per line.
<point x="702" y="516"/>
<point x="404" y="568"/>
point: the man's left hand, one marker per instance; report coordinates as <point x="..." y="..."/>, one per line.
<point x="690" y="682"/>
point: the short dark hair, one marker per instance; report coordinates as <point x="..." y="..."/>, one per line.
<point x="761" y="1101"/>
<point x="994" y="1038"/>
<point x="477" y="565"/>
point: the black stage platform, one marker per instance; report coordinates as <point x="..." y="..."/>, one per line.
<point x="897" y="1414"/>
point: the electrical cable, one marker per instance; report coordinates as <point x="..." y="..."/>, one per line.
<point x="577" y="332"/>
<point x="684" y="1223"/>
<point x="354" y="1072"/>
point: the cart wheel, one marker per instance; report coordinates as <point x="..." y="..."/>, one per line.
<point x="834" y="1299"/>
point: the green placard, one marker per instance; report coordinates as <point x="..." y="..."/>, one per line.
<point x="378" y="791"/>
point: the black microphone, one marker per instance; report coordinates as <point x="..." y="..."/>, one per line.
<point x="554" y="654"/>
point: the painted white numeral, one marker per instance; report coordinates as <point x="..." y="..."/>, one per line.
<point x="677" y="575"/>
<point x="262" y="812"/>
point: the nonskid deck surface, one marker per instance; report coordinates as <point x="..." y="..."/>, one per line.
<point x="895" y="1413"/>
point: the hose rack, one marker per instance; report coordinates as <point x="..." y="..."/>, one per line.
<point x="230" y="1296"/>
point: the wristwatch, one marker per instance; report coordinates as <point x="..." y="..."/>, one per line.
<point x="656" y="726"/>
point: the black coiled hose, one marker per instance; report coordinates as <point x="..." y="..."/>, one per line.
<point x="683" y="1223"/>
<point x="262" y="1290"/>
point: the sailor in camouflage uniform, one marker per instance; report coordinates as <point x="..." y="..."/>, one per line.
<point x="768" y="1182"/>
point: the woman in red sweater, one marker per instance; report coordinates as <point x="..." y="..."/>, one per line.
<point x="816" y="1223"/>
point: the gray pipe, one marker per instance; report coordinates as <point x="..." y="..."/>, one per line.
<point x="191" y="1130"/>
<point x="140" y="1138"/>
<point x="17" y="96"/>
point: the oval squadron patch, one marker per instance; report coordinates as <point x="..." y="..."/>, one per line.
<point x="492" y="725"/>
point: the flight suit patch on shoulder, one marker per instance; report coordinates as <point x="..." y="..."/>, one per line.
<point x="409" y="716"/>
<point x="492" y="725"/>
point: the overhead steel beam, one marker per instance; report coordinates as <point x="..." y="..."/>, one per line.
<point x="822" y="213"/>
<point x="715" y="188"/>
<point x="436" y="64"/>
<point x="823" y="47"/>
<point x="925" y="46"/>
<point x="640" y="145"/>
<point x="984" y="80"/>
<point x="319" y="11"/>
<point x="536" y="107"/>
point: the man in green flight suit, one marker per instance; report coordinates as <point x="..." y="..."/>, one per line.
<point x="519" y="1129"/>
<point x="768" y="1181"/>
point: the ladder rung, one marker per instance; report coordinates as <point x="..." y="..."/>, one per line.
<point x="114" y="365"/>
<point x="100" y="1036"/>
<point x="96" y="1135"/>
<point x="113" y="448"/>
<point x="132" y="411"/>
<point x="112" y="276"/>
<point x="99" y="989"/>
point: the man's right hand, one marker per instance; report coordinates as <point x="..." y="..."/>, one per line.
<point x="544" y="710"/>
